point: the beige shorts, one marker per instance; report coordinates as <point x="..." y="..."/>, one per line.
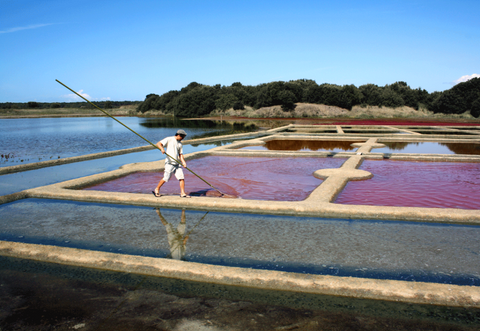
<point x="172" y="169"/>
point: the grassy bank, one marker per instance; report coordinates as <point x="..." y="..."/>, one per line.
<point x="66" y="112"/>
<point x="301" y="111"/>
<point x="305" y="110"/>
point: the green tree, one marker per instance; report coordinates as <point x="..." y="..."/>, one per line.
<point x="149" y="102"/>
<point x="371" y="94"/>
<point x="459" y="98"/>
<point x="32" y="104"/>
<point x="287" y="100"/>
<point x="391" y="99"/>
<point x="313" y="94"/>
<point x="197" y="101"/>
<point x="226" y="101"/>
<point x="350" y="96"/>
<point x="269" y="94"/>
<point x="162" y="103"/>
<point x="238" y="105"/>
<point x="475" y="109"/>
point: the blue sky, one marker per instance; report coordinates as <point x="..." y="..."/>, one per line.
<point x="124" y="50"/>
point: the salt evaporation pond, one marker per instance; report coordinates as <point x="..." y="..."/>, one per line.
<point x="306" y="145"/>
<point x="416" y="184"/>
<point x="360" y="248"/>
<point x="429" y="148"/>
<point x="260" y="178"/>
<point x="19" y="181"/>
<point x="29" y="140"/>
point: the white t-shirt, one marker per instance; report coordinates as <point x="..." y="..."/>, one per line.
<point x="173" y="148"/>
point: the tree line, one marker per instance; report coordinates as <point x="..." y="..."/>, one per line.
<point x="196" y="99"/>
<point x="52" y="105"/>
<point x="199" y="100"/>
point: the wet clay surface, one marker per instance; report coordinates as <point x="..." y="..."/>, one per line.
<point x="416" y="184"/>
<point x="262" y="178"/>
<point x="38" y="296"/>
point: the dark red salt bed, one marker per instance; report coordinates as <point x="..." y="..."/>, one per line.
<point x="416" y="184"/>
<point x="401" y="122"/>
<point x="259" y="178"/>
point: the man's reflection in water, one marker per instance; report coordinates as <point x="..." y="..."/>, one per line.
<point x="176" y="237"/>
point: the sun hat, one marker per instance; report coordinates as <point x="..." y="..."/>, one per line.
<point x="181" y="132"/>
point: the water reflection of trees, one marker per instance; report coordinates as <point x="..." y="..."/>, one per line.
<point x="174" y="122"/>
<point x="397" y="145"/>
<point x="459" y="148"/>
<point x="218" y="127"/>
<point x="230" y="128"/>
<point x="314" y="145"/>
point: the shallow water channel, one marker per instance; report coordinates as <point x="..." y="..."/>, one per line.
<point x="359" y="248"/>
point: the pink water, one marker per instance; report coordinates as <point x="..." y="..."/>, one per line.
<point x="262" y="178"/>
<point x="416" y="184"/>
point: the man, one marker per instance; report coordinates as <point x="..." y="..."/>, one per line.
<point x="174" y="152"/>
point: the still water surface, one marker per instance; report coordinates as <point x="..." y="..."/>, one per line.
<point x="416" y="184"/>
<point x="30" y="140"/>
<point x="41" y="139"/>
<point x="429" y="148"/>
<point x="306" y="145"/>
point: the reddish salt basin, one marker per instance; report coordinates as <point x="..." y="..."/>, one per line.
<point x="259" y="178"/>
<point x="429" y="148"/>
<point x="310" y="145"/>
<point x="416" y="184"/>
<point x="400" y="122"/>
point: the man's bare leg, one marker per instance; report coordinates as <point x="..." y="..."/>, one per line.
<point x="157" y="189"/>
<point x="182" y="189"/>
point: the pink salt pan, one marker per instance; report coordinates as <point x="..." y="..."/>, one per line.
<point x="258" y="178"/>
<point x="416" y="184"/>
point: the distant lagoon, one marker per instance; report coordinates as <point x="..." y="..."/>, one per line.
<point x="29" y="140"/>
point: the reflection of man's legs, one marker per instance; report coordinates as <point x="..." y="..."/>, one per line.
<point x="175" y="237"/>
<point x="183" y="224"/>
<point x="183" y="218"/>
<point x="164" y="221"/>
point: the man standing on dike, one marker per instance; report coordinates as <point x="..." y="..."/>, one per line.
<point x="174" y="152"/>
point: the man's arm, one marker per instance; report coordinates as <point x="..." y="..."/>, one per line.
<point x="160" y="145"/>
<point x="182" y="159"/>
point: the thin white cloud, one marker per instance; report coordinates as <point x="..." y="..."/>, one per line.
<point x="75" y="97"/>
<point x="28" y="27"/>
<point x="465" y="78"/>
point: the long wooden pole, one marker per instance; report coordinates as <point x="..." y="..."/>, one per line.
<point x="148" y="141"/>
